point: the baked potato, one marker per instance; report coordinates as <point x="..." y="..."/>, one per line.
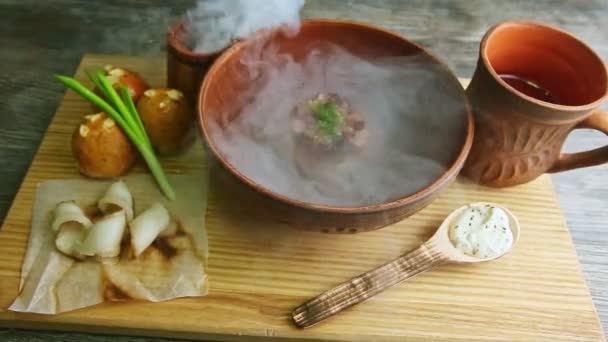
<point x="167" y="118"/>
<point x="134" y="83"/>
<point x="101" y="148"/>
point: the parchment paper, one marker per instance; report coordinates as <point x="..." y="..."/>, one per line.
<point x="174" y="267"/>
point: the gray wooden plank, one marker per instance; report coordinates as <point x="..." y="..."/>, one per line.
<point x="41" y="38"/>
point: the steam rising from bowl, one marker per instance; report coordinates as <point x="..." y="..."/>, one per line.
<point x="213" y="24"/>
<point x="413" y="117"/>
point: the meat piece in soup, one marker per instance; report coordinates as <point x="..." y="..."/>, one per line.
<point x="327" y="122"/>
<point x="328" y="132"/>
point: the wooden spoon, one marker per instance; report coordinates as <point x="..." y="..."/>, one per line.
<point x="438" y="250"/>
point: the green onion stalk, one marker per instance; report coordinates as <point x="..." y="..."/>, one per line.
<point x="122" y="109"/>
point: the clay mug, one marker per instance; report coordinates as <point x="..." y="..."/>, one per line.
<point x="186" y="68"/>
<point x="533" y="85"/>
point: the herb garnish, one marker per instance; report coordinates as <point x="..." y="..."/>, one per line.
<point x="328" y="120"/>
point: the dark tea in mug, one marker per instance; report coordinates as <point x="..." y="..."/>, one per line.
<point x="530" y="88"/>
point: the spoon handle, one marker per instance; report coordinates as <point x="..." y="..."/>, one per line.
<point x="367" y="285"/>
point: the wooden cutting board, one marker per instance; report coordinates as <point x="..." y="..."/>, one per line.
<point x="260" y="270"/>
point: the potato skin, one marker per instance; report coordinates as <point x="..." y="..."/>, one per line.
<point x="104" y="151"/>
<point x="168" y="120"/>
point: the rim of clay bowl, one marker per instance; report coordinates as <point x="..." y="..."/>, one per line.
<point x="483" y="53"/>
<point x="450" y="173"/>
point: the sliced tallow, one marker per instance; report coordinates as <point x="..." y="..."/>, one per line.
<point x="103" y="239"/>
<point x="147" y="226"/>
<point x="67" y="212"/>
<point x="117" y="195"/>
<point x="70" y="235"/>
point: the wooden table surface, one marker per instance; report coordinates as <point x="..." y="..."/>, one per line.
<point x="42" y="38"/>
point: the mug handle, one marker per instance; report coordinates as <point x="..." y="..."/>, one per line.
<point x="568" y="161"/>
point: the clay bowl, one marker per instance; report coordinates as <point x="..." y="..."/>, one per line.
<point x="222" y="95"/>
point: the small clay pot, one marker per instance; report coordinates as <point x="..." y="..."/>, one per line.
<point x="186" y="68"/>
